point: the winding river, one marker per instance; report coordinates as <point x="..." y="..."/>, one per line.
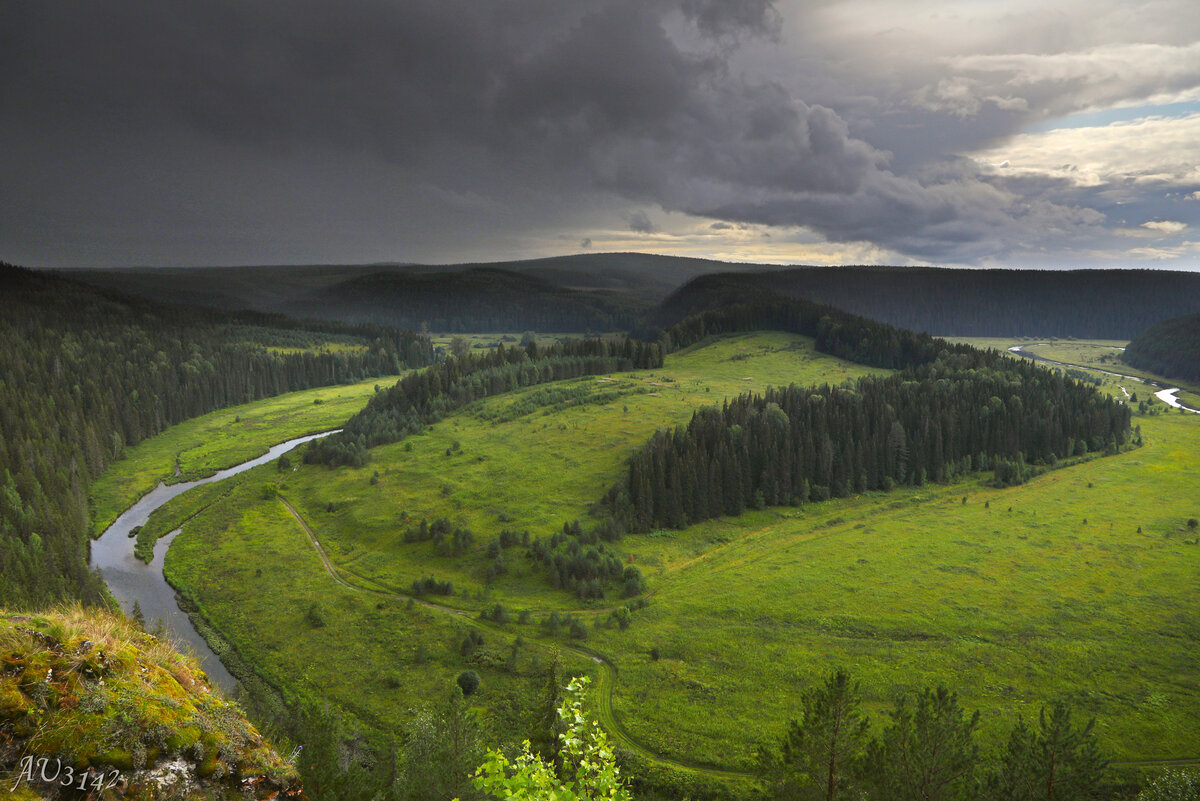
<point x="1164" y="394"/>
<point x="131" y="580"/>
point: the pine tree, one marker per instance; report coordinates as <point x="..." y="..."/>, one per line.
<point x="928" y="753"/>
<point x="1059" y="762"/>
<point x="821" y="747"/>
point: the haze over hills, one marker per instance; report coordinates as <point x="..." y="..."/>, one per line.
<point x="607" y="291"/>
<point x="1103" y="304"/>
<point x="591" y="290"/>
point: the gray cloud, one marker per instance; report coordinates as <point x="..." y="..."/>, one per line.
<point x="370" y="129"/>
<point x="639" y="223"/>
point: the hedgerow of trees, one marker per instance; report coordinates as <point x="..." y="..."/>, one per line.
<point x="84" y="373"/>
<point x="423" y="398"/>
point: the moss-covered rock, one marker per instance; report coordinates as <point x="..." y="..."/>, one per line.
<point x="92" y="706"/>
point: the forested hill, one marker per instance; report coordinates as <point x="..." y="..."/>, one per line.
<point x="476" y="299"/>
<point x="1170" y="348"/>
<point x="1097" y="304"/>
<point x="566" y="293"/>
<point x="84" y="373"/>
<point x="951" y="409"/>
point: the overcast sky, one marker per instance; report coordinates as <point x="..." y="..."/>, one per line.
<point x="977" y="132"/>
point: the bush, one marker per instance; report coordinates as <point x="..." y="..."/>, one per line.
<point x="1173" y="785"/>
<point x="315" y="617"/>
<point x="468" y="682"/>
<point x="431" y="586"/>
<point x="621" y="616"/>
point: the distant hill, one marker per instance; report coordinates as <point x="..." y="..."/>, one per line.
<point x="565" y="293"/>
<point x="607" y="291"/>
<point x="474" y="299"/>
<point x="1094" y="304"/>
<point x="1170" y="348"/>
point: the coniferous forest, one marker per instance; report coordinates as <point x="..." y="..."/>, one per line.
<point x="793" y="445"/>
<point x="1170" y="348"/>
<point x="84" y="373"/>
<point x="952" y="409"/>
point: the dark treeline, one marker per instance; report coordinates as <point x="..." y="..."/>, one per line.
<point x="836" y="332"/>
<point x="423" y="398"/>
<point x="84" y="373"/>
<point x="1097" y="304"/>
<point x="1170" y="348"/>
<point x="954" y="409"/>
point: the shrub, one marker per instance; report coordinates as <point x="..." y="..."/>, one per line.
<point x="468" y="682"/>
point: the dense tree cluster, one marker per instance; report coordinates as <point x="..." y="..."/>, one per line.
<point x="431" y="586"/>
<point x="1088" y="304"/>
<point x="423" y="398"/>
<point x="967" y="411"/>
<point x="575" y="561"/>
<point x="837" y="333"/>
<point x="83" y="374"/>
<point x="1170" y="348"/>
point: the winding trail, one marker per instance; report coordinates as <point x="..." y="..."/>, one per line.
<point x="605" y="686"/>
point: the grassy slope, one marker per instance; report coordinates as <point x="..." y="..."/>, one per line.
<point x="914" y="588"/>
<point x="911" y="588"/>
<point x="264" y="616"/>
<point x="220" y="439"/>
<point x="538" y="470"/>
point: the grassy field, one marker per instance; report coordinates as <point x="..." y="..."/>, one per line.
<point x="203" y="445"/>
<point x="375" y="656"/>
<point x="1013" y="597"/>
<point x="541" y="467"/>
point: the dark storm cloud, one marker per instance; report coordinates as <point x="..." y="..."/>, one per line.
<point x="572" y="96"/>
<point x="504" y="116"/>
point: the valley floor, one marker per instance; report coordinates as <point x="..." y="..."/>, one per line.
<point x="1078" y="585"/>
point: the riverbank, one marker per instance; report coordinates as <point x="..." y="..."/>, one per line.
<point x="131" y="581"/>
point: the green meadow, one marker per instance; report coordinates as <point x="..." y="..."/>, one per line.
<point x="203" y="445"/>
<point x="1079" y="584"/>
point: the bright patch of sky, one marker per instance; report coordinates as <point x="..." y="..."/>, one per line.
<point x="1093" y="119"/>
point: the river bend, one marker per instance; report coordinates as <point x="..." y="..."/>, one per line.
<point x="131" y="580"/>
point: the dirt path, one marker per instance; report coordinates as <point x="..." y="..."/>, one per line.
<point x="605" y="685"/>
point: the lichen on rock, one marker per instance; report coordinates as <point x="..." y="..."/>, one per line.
<point x="91" y="706"/>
